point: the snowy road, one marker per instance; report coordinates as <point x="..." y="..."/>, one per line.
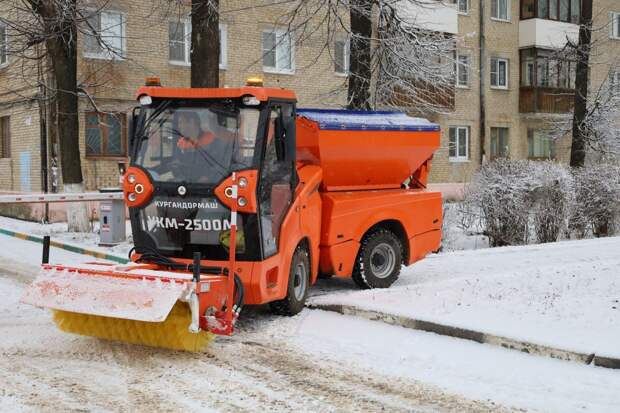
<point x="42" y="369"/>
<point x="316" y="361"/>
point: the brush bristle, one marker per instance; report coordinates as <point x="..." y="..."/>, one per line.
<point x="172" y="333"/>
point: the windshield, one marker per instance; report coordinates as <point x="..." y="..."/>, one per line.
<point x="197" y="143"/>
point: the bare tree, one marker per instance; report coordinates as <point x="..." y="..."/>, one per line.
<point x="360" y="57"/>
<point x="205" y="51"/>
<point x="595" y="120"/>
<point x="578" y="147"/>
<point x="57" y="27"/>
<point x="394" y="61"/>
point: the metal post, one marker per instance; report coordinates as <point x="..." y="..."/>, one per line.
<point x="46" y="250"/>
<point x="197" y="258"/>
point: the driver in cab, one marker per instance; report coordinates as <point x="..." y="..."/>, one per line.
<point x="200" y="152"/>
<point x="191" y="134"/>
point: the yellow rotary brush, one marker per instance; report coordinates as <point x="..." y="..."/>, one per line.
<point x="172" y="333"/>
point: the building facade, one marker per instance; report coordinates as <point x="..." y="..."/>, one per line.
<point x="510" y="86"/>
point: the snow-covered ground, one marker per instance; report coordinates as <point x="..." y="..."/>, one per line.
<point x="455" y="237"/>
<point x="323" y="361"/>
<point x="565" y="295"/>
<point x="58" y="231"/>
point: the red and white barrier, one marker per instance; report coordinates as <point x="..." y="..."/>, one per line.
<point x="66" y="197"/>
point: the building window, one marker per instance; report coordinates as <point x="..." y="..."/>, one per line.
<point x="575" y="11"/>
<point x="341" y="57"/>
<point x="499" y="143"/>
<point x="458" y="150"/>
<point x="541" y="68"/>
<point x="106" y="35"/>
<point x="463" y="6"/>
<point x="563" y="10"/>
<point x="528" y="72"/>
<point x="500" y="9"/>
<point x="180" y="43"/>
<point x="615" y="26"/>
<point x="4" y="44"/>
<point x="462" y="70"/>
<point x="277" y="52"/>
<point x="5" y="137"/>
<point x="499" y="73"/>
<point x="540" y="145"/>
<point x="179" y="39"/>
<point x="106" y="134"/>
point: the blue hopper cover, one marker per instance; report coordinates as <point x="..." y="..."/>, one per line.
<point x="334" y="119"/>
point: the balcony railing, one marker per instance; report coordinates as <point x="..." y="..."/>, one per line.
<point x="546" y="100"/>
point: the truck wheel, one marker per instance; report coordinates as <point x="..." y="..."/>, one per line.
<point x="298" y="284"/>
<point x="379" y="260"/>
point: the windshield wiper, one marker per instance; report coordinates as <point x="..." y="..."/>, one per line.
<point x="158" y="111"/>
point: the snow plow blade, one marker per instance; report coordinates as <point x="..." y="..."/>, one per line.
<point x="105" y="302"/>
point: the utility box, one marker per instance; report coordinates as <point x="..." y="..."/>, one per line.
<point x="111" y="219"/>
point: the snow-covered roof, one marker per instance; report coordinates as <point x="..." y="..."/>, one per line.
<point x="332" y="119"/>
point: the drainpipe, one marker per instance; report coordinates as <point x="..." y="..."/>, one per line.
<point x="43" y="134"/>
<point x="482" y="71"/>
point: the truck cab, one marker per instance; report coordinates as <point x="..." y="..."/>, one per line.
<point x="186" y="144"/>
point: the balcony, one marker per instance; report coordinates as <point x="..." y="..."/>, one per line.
<point x="547" y="82"/>
<point x="546" y="100"/>
<point x="548" y="34"/>
<point x="426" y="95"/>
<point x="437" y="17"/>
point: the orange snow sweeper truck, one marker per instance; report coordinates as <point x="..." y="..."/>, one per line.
<point x="236" y="197"/>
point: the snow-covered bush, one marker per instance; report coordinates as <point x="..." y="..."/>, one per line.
<point x="552" y="199"/>
<point x="597" y="201"/>
<point x="498" y="199"/>
<point x="516" y="201"/>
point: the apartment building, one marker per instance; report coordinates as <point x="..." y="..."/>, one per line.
<point x="513" y="93"/>
<point x="508" y="87"/>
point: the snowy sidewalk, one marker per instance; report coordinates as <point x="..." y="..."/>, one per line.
<point x="563" y="296"/>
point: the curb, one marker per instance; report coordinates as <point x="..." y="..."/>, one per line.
<point x="66" y="247"/>
<point x="472" y="335"/>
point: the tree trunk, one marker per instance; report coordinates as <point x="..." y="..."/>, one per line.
<point x="62" y="51"/>
<point x="578" y="147"/>
<point x="359" y="66"/>
<point x="205" y="54"/>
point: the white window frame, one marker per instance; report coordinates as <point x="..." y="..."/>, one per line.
<point x="279" y="33"/>
<point x="499" y="60"/>
<point x="498" y="18"/>
<point x="459" y="157"/>
<point x="187" y="44"/>
<point x="467" y="71"/>
<point x="458" y="7"/>
<point x="106" y="54"/>
<point x="4" y="58"/>
<point x="346" y="56"/>
<point x="223" y="58"/>
<point x="614" y="31"/>
<point x="187" y="36"/>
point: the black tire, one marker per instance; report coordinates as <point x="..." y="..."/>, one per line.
<point x="298" y="284"/>
<point x="379" y="260"/>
